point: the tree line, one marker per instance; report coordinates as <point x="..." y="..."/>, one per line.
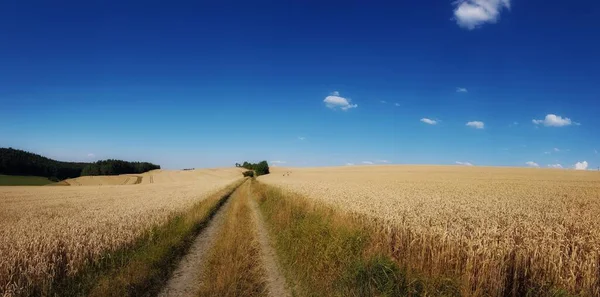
<point x="260" y="168"/>
<point x="116" y="167"/>
<point x="19" y="162"/>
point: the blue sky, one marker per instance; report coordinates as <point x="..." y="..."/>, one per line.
<point x="196" y="84"/>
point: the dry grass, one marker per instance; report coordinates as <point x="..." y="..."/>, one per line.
<point x="503" y="231"/>
<point x="332" y="253"/>
<point x="51" y="233"/>
<point x="233" y="267"/>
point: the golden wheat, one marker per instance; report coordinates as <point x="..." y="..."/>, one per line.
<point x="502" y="230"/>
<point x="47" y="233"/>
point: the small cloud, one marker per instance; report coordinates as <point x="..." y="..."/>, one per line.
<point x="532" y="164"/>
<point x="428" y="121"/>
<point x="463" y="163"/>
<point x="581" y="165"/>
<point x="555" y="166"/>
<point x="462" y="90"/>
<point x="397" y="104"/>
<point x="334" y="101"/>
<point x="349" y="164"/>
<point x="556" y="149"/>
<point x="278" y="162"/>
<point x="553" y="120"/>
<point x="301" y="138"/>
<point x="476" y="124"/>
<point x="595" y="151"/>
<point x="471" y="14"/>
<point x="383" y="101"/>
<point x="547" y="153"/>
<point x="382" y="161"/>
<point x="91" y="155"/>
<point x="367" y="162"/>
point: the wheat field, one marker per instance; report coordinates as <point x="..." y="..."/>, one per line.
<point x="503" y="231"/>
<point x="47" y="232"/>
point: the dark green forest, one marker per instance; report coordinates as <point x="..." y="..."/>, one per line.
<point x="116" y="167"/>
<point x="260" y="168"/>
<point x="19" y="162"/>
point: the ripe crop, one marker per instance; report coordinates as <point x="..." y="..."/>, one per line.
<point x="501" y="231"/>
<point x="49" y="233"/>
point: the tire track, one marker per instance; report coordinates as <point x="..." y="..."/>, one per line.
<point x="185" y="280"/>
<point x="276" y="283"/>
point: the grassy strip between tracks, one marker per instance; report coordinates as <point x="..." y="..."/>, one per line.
<point x="234" y="265"/>
<point x="142" y="269"/>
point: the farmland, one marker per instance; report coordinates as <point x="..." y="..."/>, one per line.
<point x="49" y="233"/>
<point x="498" y="230"/>
<point x="15" y="180"/>
<point x="370" y="230"/>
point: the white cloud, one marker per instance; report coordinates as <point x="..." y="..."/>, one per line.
<point x="462" y="90"/>
<point x="470" y="14"/>
<point x="463" y="163"/>
<point x="397" y="104"/>
<point x="278" y="162"/>
<point x="334" y="101"/>
<point x="301" y="138"/>
<point x="581" y="165"/>
<point x="476" y="124"/>
<point x="555" y="166"/>
<point x="553" y="120"/>
<point x="383" y="101"/>
<point x="546" y="153"/>
<point x="556" y="149"/>
<point x="532" y="164"/>
<point x="382" y="161"/>
<point x="91" y="155"/>
<point x="428" y="121"/>
<point x="367" y="162"/>
<point x="349" y="164"/>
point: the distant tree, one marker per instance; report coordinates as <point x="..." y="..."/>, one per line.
<point x="260" y="168"/>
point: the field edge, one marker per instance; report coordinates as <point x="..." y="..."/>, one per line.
<point x="144" y="267"/>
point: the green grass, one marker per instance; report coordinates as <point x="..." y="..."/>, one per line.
<point x="16" y="180"/>
<point x="327" y="253"/>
